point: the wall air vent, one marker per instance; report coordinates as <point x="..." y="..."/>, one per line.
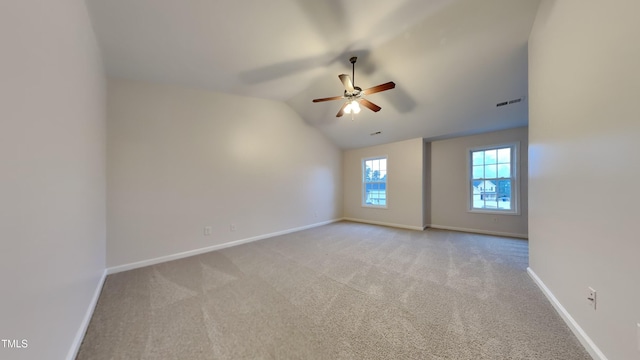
<point x="509" y="102"/>
<point x="514" y="101"/>
<point x="376" y="133"/>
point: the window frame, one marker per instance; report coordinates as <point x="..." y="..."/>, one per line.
<point x="363" y="192"/>
<point x="515" y="179"/>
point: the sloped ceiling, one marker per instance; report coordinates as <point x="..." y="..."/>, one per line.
<point x="452" y="60"/>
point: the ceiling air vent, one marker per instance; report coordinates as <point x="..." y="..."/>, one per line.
<point x="509" y="102"/>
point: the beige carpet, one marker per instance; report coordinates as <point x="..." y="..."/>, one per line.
<point x="341" y="291"/>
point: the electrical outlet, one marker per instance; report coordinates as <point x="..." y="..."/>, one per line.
<point x="207" y="230"/>
<point x="233" y="227"/>
<point x="591" y="297"/>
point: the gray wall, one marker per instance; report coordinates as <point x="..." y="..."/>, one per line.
<point x="584" y="85"/>
<point x="449" y="182"/>
<point x="181" y="159"/>
<point x="52" y="182"/>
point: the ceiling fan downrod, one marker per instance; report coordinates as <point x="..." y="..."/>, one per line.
<point x="353" y="69"/>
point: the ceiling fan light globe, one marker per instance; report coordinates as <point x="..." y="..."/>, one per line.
<point x="354" y="107"/>
<point x="347" y="109"/>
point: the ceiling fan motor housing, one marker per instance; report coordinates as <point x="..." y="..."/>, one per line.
<point x="357" y="93"/>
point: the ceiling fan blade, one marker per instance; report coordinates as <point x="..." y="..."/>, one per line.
<point x="373" y="107"/>
<point x="382" y="87"/>
<point x="346" y="81"/>
<point x="328" y="99"/>
<point x="341" y="112"/>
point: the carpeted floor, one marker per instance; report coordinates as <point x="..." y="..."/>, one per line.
<point x="340" y="291"/>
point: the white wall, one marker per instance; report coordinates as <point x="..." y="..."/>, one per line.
<point x="52" y="177"/>
<point x="404" y="184"/>
<point x="449" y="203"/>
<point x="181" y="159"/>
<point x="584" y="89"/>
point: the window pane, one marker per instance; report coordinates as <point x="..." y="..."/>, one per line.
<point x="478" y="172"/>
<point x="491" y="204"/>
<point x="369" y="188"/>
<point x="490" y="171"/>
<point x="383" y="175"/>
<point x="477" y="158"/>
<point x="383" y="164"/>
<point x="504" y="170"/>
<point x="504" y="205"/>
<point x="477" y="201"/>
<point x="504" y="155"/>
<point x="371" y="169"/>
<point x="376" y="196"/>
<point x="382" y="200"/>
<point x="504" y="194"/>
<point x="504" y="190"/>
<point x="490" y="156"/>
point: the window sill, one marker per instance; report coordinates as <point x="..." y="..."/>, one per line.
<point x="494" y="212"/>
<point x="374" y="206"/>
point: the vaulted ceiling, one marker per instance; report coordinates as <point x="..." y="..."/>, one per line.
<point x="452" y="60"/>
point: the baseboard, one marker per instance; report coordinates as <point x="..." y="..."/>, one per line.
<point x="77" y="341"/>
<point x="401" y="226"/>
<point x="582" y="336"/>
<point x="476" y="231"/>
<point x="158" y="260"/>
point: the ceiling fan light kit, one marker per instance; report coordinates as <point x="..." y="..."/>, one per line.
<point x="354" y="95"/>
<point x="352" y="107"/>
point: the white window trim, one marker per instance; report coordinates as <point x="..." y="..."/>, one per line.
<point x="515" y="184"/>
<point x="362" y="183"/>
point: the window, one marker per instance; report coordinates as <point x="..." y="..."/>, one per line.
<point x="374" y="182"/>
<point x="493" y="179"/>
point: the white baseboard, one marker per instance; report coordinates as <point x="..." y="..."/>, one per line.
<point x="158" y="260"/>
<point x="77" y="341"/>
<point x="476" y="231"/>
<point x="582" y="336"/>
<point x="401" y="226"/>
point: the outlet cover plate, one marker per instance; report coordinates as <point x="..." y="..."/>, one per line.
<point x="591" y="297"/>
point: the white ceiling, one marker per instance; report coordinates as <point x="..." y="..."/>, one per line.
<point x="452" y="60"/>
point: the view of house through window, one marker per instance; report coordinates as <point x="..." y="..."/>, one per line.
<point x="374" y="182"/>
<point x="493" y="181"/>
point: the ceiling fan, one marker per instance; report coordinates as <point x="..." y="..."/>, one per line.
<point x="354" y="95"/>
